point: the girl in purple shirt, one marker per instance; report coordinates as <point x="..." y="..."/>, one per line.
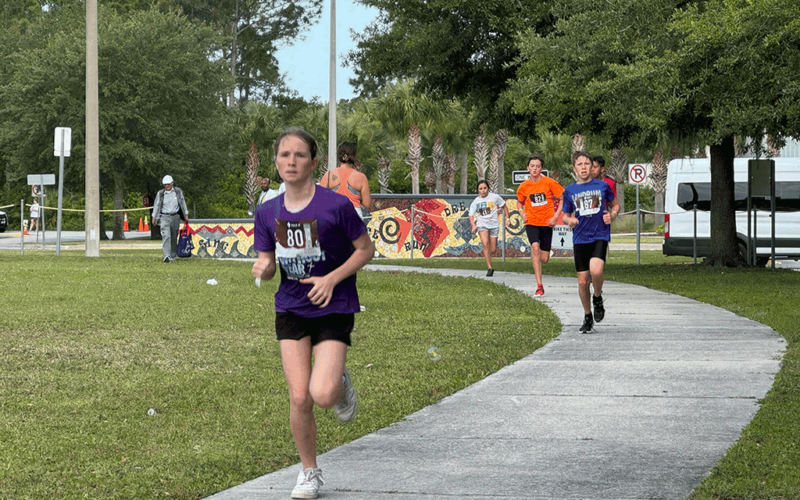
<point x="320" y="242"/>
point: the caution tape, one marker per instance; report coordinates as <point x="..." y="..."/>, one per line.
<point x="9" y="206"/>
<point x="82" y="210"/>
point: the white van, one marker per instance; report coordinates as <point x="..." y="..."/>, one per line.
<point x="689" y="185"/>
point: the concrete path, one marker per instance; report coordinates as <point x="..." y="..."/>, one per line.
<point x="641" y="409"/>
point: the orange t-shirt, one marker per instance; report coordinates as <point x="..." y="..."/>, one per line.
<point x="537" y="198"/>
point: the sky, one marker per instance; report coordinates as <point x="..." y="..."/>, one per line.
<point x="305" y="64"/>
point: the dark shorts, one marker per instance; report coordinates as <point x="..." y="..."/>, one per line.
<point x="289" y="326"/>
<point x="540" y="234"/>
<point x="585" y="252"/>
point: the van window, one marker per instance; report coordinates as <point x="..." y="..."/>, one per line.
<point x="787" y="197"/>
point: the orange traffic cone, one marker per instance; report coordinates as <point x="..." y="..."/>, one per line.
<point x="141" y="226"/>
<point x="125" y="222"/>
<point x="146" y="224"/>
<point x="25" y="228"/>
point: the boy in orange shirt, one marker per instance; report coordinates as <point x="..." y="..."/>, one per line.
<point x="539" y="214"/>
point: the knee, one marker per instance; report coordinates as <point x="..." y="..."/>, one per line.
<point x="544" y="256"/>
<point x="327" y="395"/>
<point x="583" y="281"/>
<point x="301" y="401"/>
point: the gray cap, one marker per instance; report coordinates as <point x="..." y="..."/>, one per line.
<point x="167" y="179"/>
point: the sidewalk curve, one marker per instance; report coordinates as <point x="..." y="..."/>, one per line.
<point x="641" y="409"/>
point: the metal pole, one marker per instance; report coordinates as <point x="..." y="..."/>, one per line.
<point x="504" y="235"/>
<point x="60" y="193"/>
<point x="637" y="225"/>
<point x="753" y="252"/>
<point x="332" y="162"/>
<point x="22" y="226"/>
<point x="41" y="215"/>
<point x="412" y="232"/>
<point x="694" y="237"/>
<point x="772" y="188"/>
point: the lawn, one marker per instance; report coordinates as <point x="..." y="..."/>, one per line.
<point x="88" y="346"/>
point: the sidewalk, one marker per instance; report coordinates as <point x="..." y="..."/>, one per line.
<point x="643" y="408"/>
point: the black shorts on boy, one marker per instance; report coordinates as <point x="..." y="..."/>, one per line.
<point x="540" y="234"/>
<point x="584" y="252"/>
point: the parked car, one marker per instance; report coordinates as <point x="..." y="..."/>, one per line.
<point x="3" y="221"/>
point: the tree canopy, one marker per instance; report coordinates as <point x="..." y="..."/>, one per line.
<point x="161" y="90"/>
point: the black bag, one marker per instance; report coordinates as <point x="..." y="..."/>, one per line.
<point x="185" y="245"/>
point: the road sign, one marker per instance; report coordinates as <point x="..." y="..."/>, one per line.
<point x="637" y="174"/>
<point x="562" y="238"/>
<point x="41" y="179"/>
<point x="520" y="176"/>
<point x="64" y="133"/>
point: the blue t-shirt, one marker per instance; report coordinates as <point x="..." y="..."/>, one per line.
<point x="312" y="242"/>
<point x="589" y="202"/>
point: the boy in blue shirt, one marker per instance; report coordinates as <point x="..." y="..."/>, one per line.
<point x="589" y="209"/>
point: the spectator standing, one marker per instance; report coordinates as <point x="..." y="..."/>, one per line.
<point x="34" y="215"/>
<point x="169" y="209"/>
<point x="589" y="209"/>
<point x="266" y="192"/>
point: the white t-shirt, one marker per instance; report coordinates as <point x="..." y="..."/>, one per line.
<point x="34" y="211"/>
<point x="485" y="210"/>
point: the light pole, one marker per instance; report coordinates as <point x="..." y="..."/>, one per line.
<point x="92" y="135"/>
<point x="332" y="92"/>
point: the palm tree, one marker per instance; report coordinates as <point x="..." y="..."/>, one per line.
<point x="258" y="125"/>
<point x="481" y="153"/>
<point x="658" y="179"/>
<point x="556" y="151"/>
<point x="618" y="171"/>
<point x="401" y="109"/>
<point x="496" y="174"/>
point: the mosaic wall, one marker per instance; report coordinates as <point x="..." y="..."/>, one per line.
<point x="432" y="227"/>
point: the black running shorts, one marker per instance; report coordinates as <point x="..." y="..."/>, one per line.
<point x="540" y="234"/>
<point x="585" y="252"/>
<point x="289" y="326"/>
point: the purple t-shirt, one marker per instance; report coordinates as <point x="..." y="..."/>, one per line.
<point x="589" y="201"/>
<point x="312" y="242"/>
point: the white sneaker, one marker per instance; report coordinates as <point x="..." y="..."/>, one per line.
<point x="308" y="483"/>
<point x="347" y="407"/>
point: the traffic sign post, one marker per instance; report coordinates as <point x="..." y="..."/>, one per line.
<point x="61" y="148"/>
<point x="637" y="174"/>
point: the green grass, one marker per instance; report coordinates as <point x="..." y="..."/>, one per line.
<point x="87" y="346"/>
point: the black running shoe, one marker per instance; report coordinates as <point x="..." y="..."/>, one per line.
<point x="490" y="272"/>
<point x="599" y="310"/>
<point x="588" y="324"/>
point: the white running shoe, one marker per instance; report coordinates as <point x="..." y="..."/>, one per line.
<point x="308" y="483"/>
<point x="347" y="407"/>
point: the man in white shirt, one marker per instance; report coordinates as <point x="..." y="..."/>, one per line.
<point x="168" y="211"/>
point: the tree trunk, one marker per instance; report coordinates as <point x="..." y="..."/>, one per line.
<point x="103" y="235"/>
<point x="464" y="157"/>
<point x="659" y="204"/>
<point x="724" y="246"/>
<point x="119" y="230"/>
<point x="621" y="196"/>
